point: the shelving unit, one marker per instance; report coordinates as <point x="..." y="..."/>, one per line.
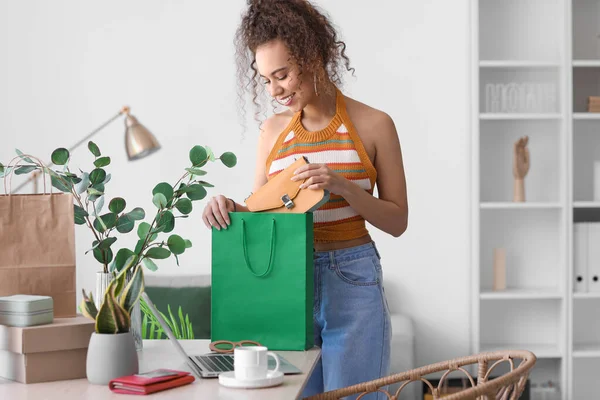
<point x="518" y="45"/>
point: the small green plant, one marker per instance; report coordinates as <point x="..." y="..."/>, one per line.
<point x="88" y="190"/>
<point x="114" y="315"/>
<point x="151" y="328"/>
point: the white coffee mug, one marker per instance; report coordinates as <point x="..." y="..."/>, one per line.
<point x="250" y="362"/>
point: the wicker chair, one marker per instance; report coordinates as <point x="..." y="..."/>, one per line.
<point x="504" y="387"/>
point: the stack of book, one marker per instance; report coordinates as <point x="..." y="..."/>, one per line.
<point x="594" y="104"/>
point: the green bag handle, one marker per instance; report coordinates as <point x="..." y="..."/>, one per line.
<point x="244" y="245"/>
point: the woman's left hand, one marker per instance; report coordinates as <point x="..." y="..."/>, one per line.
<point x="320" y="176"/>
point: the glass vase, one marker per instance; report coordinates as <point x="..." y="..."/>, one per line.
<point x="102" y="282"/>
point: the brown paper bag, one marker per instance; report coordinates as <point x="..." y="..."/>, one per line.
<point x="37" y="248"/>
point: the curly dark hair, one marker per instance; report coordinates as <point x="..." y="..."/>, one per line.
<point x="306" y="31"/>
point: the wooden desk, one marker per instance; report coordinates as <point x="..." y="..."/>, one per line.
<point x="162" y="354"/>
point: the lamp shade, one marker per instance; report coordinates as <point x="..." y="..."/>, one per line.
<point x="139" y="141"/>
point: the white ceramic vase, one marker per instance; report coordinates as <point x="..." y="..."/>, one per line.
<point x="110" y="356"/>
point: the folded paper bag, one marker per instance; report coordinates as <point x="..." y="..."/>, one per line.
<point x="150" y="382"/>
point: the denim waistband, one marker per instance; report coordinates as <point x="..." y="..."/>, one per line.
<point x="348" y="253"/>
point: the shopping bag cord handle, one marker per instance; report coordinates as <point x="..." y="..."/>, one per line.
<point x="271" y="252"/>
<point x="10" y="171"/>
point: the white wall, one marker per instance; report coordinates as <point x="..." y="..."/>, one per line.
<point x="67" y="66"/>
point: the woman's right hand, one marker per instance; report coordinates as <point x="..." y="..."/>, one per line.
<point x="216" y="212"/>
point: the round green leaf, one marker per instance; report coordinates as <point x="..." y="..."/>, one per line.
<point x="1" y="168"/>
<point x="158" y="253"/>
<point x="142" y="230"/>
<point x="99" y="187"/>
<point x="93" y="148"/>
<point x="60" y="156"/>
<point x="125" y="224"/>
<point x="83" y="185"/>
<point x="196" y="171"/>
<point x="205" y="184"/>
<point x="97" y="176"/>
<point x="165" y="189"/>
<point x="176" y="244"/>
<point x="159" y="200"/>
<point x="98" y="204"/>
<point x="198" y="156"/>
<point x="138" y="246"/>
<point x="109" y="219"/>
<point x="229" y="159"/>
<point x="106" y="243"/>
<point x="166" y="222"/>
<point x="80" y="214"/>
<point x="103" y="256"/>
<point x="188" y="244"/>
<point x="121" y="257"/>
<point x="195" y="192"/>
<point x="148" y="263"/>
<point x="102" y="162"/>
<point x="184" y="206"/>
<point x="117" y="205"/>
<point x="137" y="214"/>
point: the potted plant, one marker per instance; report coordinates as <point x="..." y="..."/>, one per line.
<point x="112" y="352"/>
<point x="117" y="302"/>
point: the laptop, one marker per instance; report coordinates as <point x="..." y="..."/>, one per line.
<point x="210" y="365"/>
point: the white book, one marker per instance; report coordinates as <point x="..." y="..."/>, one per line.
<point x="580" y="257"/>
<point x="594" y="257"/>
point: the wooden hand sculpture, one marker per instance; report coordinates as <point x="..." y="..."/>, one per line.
<point x="520" y="167"/>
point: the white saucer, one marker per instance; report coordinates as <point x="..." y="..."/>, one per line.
<point x="228" y="379"/>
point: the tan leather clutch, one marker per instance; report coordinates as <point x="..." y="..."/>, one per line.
<point x="282" y="195"/>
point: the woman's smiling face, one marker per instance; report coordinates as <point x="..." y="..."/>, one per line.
<point x="282" y="76"/>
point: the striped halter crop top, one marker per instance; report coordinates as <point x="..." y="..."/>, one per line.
<point x="338" y="146"/>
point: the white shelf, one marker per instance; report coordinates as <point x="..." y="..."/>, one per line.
<point x="524" y="116"/>
<point x="586" y="204"/>
<point x="522" y="294"/>
<point x="586" y="350"/>
<point x="540" y="350"/>
<point x="586" y="115"/>
<point x="586" y="63"/>
<point x="518" y="64"/>
<point x="589" y="295"/>
<point x="524" y="205"/>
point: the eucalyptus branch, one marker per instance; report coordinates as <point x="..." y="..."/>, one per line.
<point x="198" y="165"/>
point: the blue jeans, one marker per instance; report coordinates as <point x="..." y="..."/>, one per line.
<point x="352" y="320"/>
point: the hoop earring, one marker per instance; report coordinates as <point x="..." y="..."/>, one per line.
<point x="315" y="79"/>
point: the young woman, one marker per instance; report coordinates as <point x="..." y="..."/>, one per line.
<point x="291" y="48"/>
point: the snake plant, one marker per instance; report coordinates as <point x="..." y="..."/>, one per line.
<point x="119" y="299"/>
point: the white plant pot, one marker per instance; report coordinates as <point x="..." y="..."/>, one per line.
<point x="110" y="356"/>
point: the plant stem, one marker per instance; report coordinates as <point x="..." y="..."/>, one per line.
<point x="87" y="218"/>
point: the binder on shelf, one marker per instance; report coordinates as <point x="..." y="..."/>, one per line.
<point x="580" y="257"/>
<point x="594" y="257"/>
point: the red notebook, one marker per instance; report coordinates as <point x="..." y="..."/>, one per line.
<point x="150" y="382"/>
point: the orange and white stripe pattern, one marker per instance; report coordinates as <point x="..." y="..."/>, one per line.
<point x="341" y="149"/>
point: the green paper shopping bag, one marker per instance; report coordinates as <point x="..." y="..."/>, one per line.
<point x="262" y="280"/>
